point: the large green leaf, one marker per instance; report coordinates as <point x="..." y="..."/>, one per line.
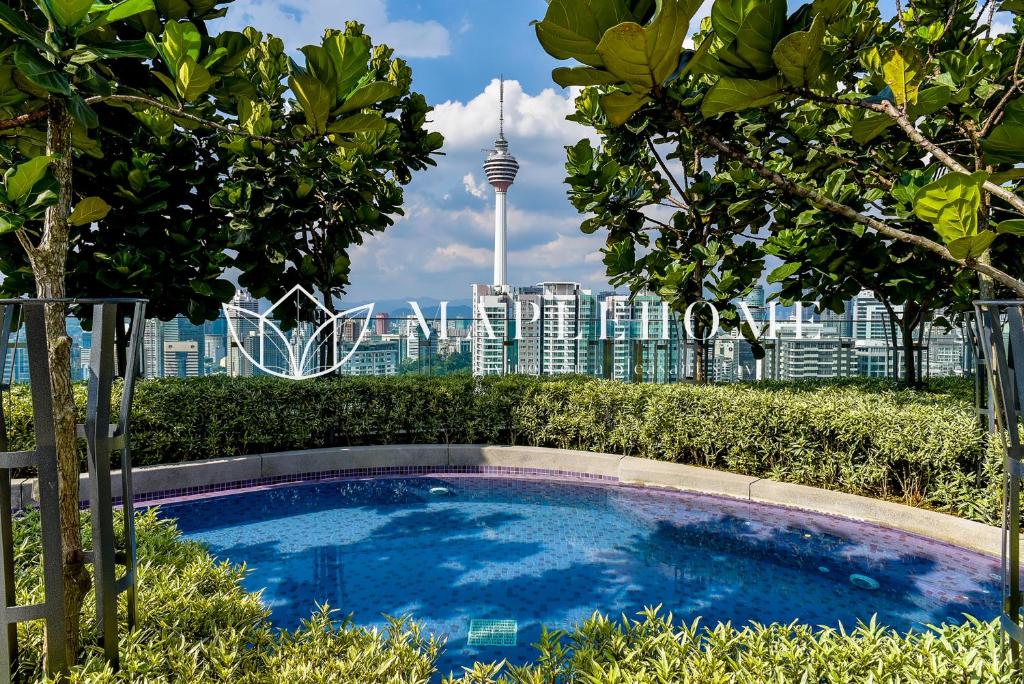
<point x="951" y="205"/>
<point x="369" y="94"/>
<point x="68" y="13"/>
<point x="726" y="16"/>
<point x="118" y="12"/>
<point x="971" y="246"/>
<point x="1005" y="144"/>
<point x="736" y="94"/>
<point x="82" y="112"/>
<point x="582" y="76"/>
<point x="20" y="180"/>
<point x="16" y="24"/>
<point x="88" y="210"/>
<point x="193" y="79"/>
<point x="798" y="55"/>
<point x="10" y="221"/>
<point x="758" y="33"/>
<point x="784" y="271"/>
<point x="181" y="40"/>
<point x="350" y="55"/>
<point x="645" y="57"/>
<point x="869" y="127"/>
<point x="315" y="99"/>
<point x="40" y="72"/>
<point x="128" y="8"/>
<point x="572" y="29"/>
<point x="902" y="73"/>
<point x="122" y="49"/>
<point x="363" y="122"/>
<point x="619" y="106"/>
<point x="319" y="63"/>
<point x="1011" y="227"/>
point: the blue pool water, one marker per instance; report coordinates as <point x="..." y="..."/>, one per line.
<point x="451" y="549"/>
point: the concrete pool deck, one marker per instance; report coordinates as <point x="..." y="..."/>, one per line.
<point x="154" y="483"/>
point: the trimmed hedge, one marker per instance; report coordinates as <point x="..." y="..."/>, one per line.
<point x="197" y="624"/>
<point x="858" y="436"/>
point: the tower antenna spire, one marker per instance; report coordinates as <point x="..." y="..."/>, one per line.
<point x="501" y="107"/>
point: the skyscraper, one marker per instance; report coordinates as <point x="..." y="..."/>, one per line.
<point x="501" y="169"/>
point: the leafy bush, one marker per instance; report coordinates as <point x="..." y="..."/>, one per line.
<point x="197" y="624"/>
<point x="653" y="650"/>
<point x="861" y="436"/>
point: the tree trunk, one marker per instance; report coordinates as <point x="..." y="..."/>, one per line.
<point x="48" y="261"/>
<point x="908" y="322"/>
<point x="909" y="357"/>
<point x="986" y="286"/>
<point x="700" y="355"/>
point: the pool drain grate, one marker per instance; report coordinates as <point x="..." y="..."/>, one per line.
<point x="493" y="632"/>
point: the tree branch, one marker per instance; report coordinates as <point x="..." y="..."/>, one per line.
<point x="182" y="114"/>
<point x="847" y="212"/>
<point x="1015" y="85"/>
<point x="901" y="120"/>
<point x="23" y="120"/>
<point x="664" y="168"/>
<point x="952" y="164"/>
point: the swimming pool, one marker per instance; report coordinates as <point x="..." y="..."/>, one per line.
<point x="456" y="549"/>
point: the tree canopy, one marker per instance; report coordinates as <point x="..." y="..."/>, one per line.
<point x="863" y="151"/>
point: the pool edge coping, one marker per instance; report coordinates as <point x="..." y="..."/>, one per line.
<point x="234" y="474"/>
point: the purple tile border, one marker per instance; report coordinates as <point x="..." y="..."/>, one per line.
<point x="152" y="498"/>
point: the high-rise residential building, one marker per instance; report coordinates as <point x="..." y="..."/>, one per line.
<point x="872" y="336"/>
<point x="381" y="324"/>
<point x="501" y="169"/>
<point x="379" y="357"/>
<point x="755" y="301"/>
<point x="559" y="328"/>
<point x="241" y="331"/>
<point x="174" y="348"/>
<point x="813" y="352"/>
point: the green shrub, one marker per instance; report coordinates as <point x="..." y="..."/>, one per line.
<point x="860" y="436"/>
<point x="197" y="624"/>
<point x="653" y="650"/>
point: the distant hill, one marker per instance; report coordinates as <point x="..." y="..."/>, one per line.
<point x="430" y="306"/>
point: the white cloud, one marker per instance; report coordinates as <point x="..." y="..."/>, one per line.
<point x="556" y="254"/>
<point x="474" y="187"/>
<point x="302" y="23"/>
<point x="453" y="258"/>
<point x="472" y="125"/>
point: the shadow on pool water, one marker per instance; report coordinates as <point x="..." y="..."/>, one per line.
<point x="551" y="553"/>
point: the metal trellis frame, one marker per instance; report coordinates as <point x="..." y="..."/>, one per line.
<point x="1001" y="335"/>
<point x="115" y="322"/>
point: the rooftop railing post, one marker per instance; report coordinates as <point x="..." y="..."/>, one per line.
<point x="1001" y="337"/>
<point x="102" y="439"/>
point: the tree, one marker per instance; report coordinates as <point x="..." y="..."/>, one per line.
<point x="295" y="211"/>
<point x="675" y="233"/>
<point x="933" y="80"/>
<point x="72" y="73"/>
<point x="830" y="266"/>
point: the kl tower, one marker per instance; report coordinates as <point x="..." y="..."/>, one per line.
<point x="501" y="168"/>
